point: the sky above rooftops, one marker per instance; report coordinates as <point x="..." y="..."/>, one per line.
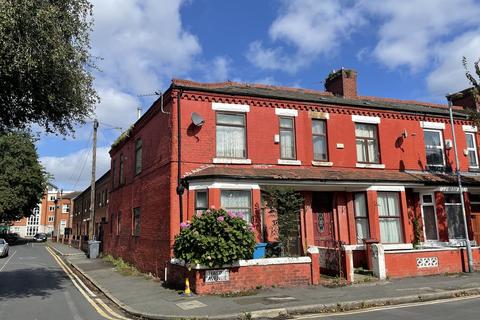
<point x="406" y="49"/>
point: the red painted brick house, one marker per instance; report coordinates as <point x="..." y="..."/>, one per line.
<point x="366" y="166"/>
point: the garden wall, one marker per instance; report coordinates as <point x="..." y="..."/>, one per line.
<point x="242" y="276"/>
<point x="409" y="263"/>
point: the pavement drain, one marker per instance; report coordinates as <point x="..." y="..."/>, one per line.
<point x="189" y="305"/>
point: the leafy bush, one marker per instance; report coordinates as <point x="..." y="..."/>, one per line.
<point x="215" y="238"/>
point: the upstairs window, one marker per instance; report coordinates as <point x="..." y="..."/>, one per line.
<point x="434" y="148"/>
<point x="113" y="174"/>
<point x="472" y="150"/>
<point x="319" y="132"/>
<point x="121" y="173"/>
<point x="287" y="138"/>
<point x="138" y="156"/>
<point x="367" y="143"/>
<point x="231" y="135"/>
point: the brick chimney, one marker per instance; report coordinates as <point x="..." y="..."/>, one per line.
<point x="467" y="99"/>
<point x="342" y="83"/>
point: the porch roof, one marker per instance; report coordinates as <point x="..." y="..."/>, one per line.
<point x="331" y="175"/>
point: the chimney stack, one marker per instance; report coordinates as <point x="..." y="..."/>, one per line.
<point x="342" y="83"/>
<point x="468" y="99"/>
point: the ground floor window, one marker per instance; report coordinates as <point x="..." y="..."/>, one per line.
<point x="238" y="201"/>
<point x="389" y="215"/>
<point x="453" y="208"/>
<point x="201" y="201"/>
<point x="136" y="222"/>
<point x="361" y="216"/>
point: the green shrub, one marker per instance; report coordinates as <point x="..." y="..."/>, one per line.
<point x="215" y="238"/>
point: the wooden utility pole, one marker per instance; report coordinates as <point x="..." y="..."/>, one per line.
<point x="91" y="225"/>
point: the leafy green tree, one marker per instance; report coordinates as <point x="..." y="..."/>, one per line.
<point x="45" y="64"/>
<point x="286" y="203"/>
<point x="22" y="178"/>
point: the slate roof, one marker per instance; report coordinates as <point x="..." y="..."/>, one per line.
<point x="321" y="97"/>
<point x="331" y="175"/>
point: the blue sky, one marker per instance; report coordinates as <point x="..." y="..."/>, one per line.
<point x="408" y="49"/>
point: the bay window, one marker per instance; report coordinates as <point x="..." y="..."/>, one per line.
<point x="361" y="216"/>
<point x="201" y="201"/>
<point x="389" y="216"/>
<point x="287" y="138"/>
<point x="237" y="201"/>
<point x="434" y="148"/>
<point x="367" y="143"/>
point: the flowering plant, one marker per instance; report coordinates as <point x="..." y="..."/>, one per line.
<point x="215" y="238"/>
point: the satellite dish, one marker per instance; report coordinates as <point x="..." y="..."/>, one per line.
<point x="197" y="119"/>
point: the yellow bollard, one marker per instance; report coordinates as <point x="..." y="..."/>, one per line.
<point x="187" y="291"/>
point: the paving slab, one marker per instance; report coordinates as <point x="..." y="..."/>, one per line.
<point x="143" y="295"/>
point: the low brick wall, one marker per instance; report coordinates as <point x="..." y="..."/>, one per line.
<point x="409" y="263"/>
<point x="245" y="275"/>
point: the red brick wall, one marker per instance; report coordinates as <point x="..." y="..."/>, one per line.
<point x="244" y="278"/>
<point x="400" y="265"/>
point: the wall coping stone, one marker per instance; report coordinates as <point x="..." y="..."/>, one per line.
<point x="250" y="262"/>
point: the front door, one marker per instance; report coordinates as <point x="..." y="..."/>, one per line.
<point x="322" y="207"/>
<point x="453" y="208"/>
<point x="475" y="214"/>
<point x="430" y="231"/>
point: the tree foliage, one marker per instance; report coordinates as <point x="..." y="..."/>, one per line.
<point x="286" y="203"/>
<point x="22" y="178"/>
<point x="215" y="238"/>
<point x="473" y="114"/>
<point x="45" y="64"/>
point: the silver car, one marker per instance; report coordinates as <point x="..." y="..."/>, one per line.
<point x="3" y="248"/>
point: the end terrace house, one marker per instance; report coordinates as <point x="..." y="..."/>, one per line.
<point x="367" y="167"/>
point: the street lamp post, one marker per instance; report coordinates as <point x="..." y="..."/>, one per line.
<point x="459" y="181"/>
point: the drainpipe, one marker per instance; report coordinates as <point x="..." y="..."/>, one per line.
<point x="180" y="187"/>
<point x="459" y="181"/>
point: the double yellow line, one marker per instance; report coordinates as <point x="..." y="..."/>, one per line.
<point x="91" y="297"/>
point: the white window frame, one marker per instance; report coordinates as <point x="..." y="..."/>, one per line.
<point x="422" y="204"/>
<point x="442" y="143"/>
<point x="251" y="200"/>
<point x="474" y="149"/>
<point x="51" y="218"/>
<point x="51" y="208"/>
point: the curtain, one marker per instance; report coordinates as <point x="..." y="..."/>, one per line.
<point x="319" y="148"/>
<point x="230" y="142"/>
<point x="287" y="144"/>
<point x="389" y="217"/>
<point x="237" y="201"/>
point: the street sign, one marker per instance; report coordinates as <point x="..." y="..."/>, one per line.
<point x="217" y="275"/>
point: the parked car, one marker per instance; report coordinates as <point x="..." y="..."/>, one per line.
<point x="11" y="237"/>
<point x="3" y="248"/>
<point x="40" y="237"/>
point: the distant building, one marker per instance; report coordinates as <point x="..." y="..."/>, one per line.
<point x="81" y="208"/>
<point x="51" y="214"/>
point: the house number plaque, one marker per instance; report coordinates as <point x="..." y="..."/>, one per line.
<point x="217" y="275"/>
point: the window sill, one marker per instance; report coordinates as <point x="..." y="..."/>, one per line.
<point x="232" y="161"/>
<point x="289" y="162"/>
<point x="371" y="165"/>
<point x="322" y="163"/>
<point x="473" y="169"/>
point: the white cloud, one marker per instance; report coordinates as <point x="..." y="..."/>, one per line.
<point x="312" y="27"/>
<point x="73" y="171"/>
<point x="142" y="43"/>
<point x="409" y="29"/>
<point x="217" y="70"/>
<point x="449" y="75"/>
<point x="117" y="108"/>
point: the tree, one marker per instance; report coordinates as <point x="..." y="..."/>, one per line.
<point x="22" y="178"/>
<point x="45" y="64"/>
<point x="286" y="203"/>
<point x="473" y="114"/>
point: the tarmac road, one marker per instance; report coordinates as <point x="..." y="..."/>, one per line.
<point x="34" y="286"/>
<point x="453" y="309"/>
